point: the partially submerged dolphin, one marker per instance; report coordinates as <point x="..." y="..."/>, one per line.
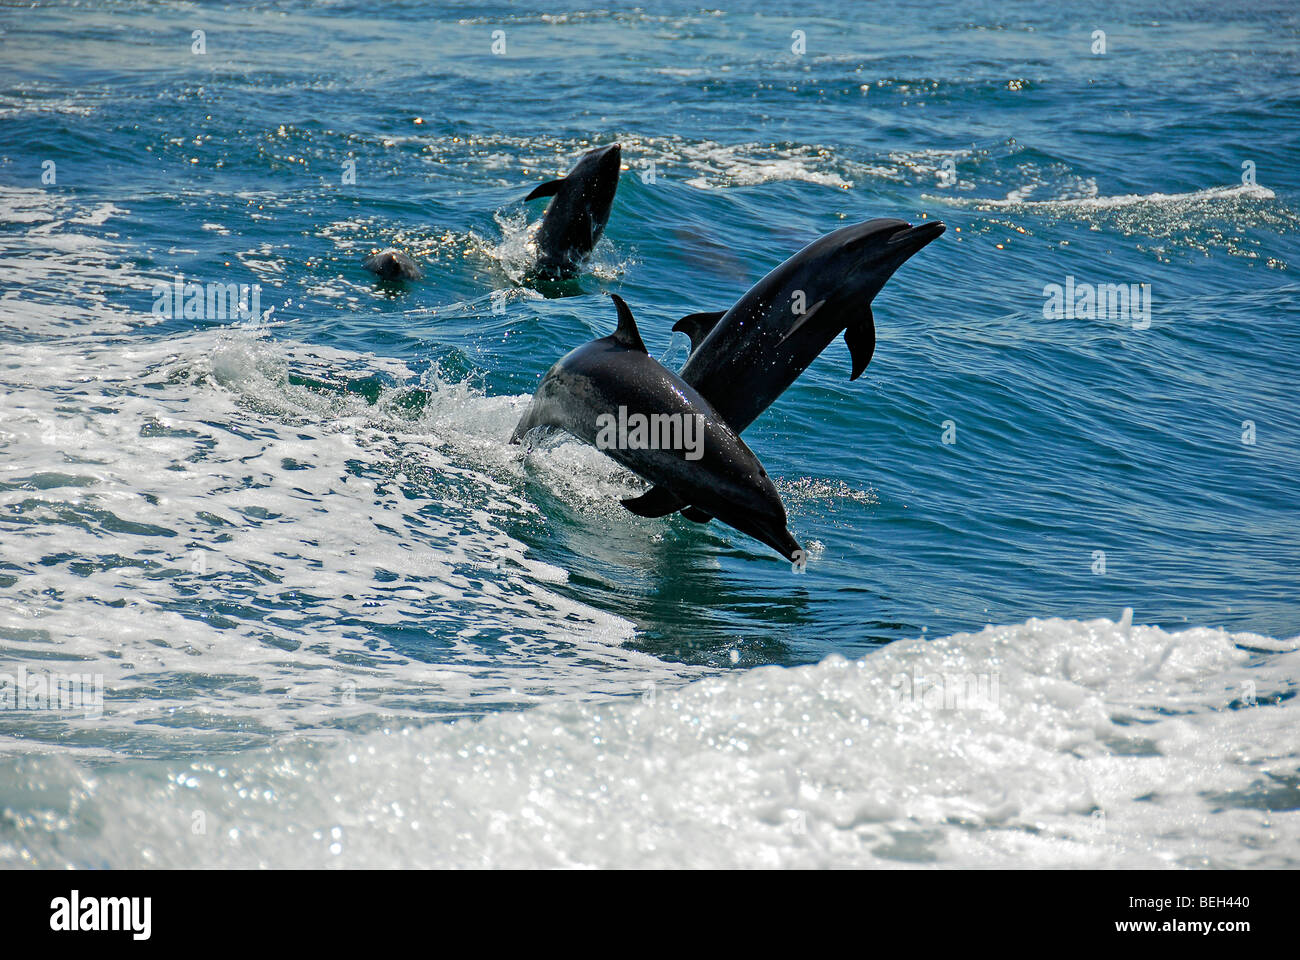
<point x="614" y="381"/>
<point x="744" y="358"/>
<point x="392" y="264"/>
<point x="578" y="213"/>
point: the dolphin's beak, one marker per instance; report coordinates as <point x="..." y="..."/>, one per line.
<point x="908" y="240"/>
<point x="779" y="539"/>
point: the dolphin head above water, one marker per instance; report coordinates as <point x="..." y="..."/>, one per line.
<point x="862" y="257"/>
<point x="743" y="358"/>
<point x="598" y="170"/>
<point x="578" y="213"/>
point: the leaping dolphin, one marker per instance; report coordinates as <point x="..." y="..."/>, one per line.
<point x="578" y="213"/>
<point x="742" y="359"/>
<point x="614" y="380"/>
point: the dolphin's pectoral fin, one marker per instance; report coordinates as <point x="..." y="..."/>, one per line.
<point x="696" y="515"/>
<point x="803" y="318"/>
<point x="860" y="338"/>
<point x="658" y="502"/>
<point x="697" y="326"/>
<point x="627" y="335"/>
<point x="548" y="189"/>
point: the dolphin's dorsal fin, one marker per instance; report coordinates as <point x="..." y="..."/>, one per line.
<point x="860" y="338"/>
<point x="548" y="189"/>
<point x="697" y="326"/>
<point x="627" y="335"/>
<point x="657" y="502"/>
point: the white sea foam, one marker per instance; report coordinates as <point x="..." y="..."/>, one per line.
<point x="1160" y="221"/>
<point x="1091" y="744"/>
<point x="704" y="164"/>
<point x="715" y="165"/>
<point x="240" y="554"/>
<point x="190" y="475"/>
<point x="515" y="251"/>
<point x="1019" y="199"/>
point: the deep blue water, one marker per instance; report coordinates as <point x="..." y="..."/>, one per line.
<point x="131" y="443"/>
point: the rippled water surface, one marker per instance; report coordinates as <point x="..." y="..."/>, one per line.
<point x="295" y="547"/>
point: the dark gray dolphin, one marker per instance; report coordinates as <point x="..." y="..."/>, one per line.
<point x="392" y="264"/>
<point x="578" y="213"/>
<point x="613" y="380"/>
<point x="744" y="358"/>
